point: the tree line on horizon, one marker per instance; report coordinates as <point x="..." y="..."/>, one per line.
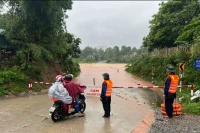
<point x="110" y="54"/>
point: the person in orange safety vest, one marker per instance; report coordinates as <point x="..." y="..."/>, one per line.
<point x="171" y="85"/>
<point x="106" y="93"/>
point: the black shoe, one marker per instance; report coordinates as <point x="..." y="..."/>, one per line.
<point x="105" y="116"/>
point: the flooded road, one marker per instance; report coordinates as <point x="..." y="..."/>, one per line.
<point x="129" y="109"/>
<point x="117" y="73"/>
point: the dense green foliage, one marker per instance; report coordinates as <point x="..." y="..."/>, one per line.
<point x="117" y="55"/>
<point x="191" y="31"/>
<point x="142" y="67"/>
<point x="139" y="65"/>
<point x="188" y="105"/>
<point x="176" y="21"/>
<point x="38" y="29"/>
<point x="12" y="80"/>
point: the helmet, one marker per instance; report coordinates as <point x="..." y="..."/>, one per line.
<point x="58" y="78"/>
<point x="69" y="77"/>
<point x="170" y="69"/>
<point x="72" y="75"/>
<point x="106" y="76"/>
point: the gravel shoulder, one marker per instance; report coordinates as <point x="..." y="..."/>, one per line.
<point x="185" y="123"/>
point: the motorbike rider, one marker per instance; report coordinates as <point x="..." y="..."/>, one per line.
<point x="74" y="89"/>
<point x="58" y="91"/>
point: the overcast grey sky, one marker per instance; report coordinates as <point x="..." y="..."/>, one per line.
<point x="105" y="24"/>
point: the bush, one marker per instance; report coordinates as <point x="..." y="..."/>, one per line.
<point x="188" y="105"/>
<point x="142" y="67"/>
<point x="12" y="80"/>
<point x="89" y="60"/>
<point x="71" y="66"/>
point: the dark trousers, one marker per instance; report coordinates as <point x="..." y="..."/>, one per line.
<point x="106" y="106"/>
<point x="169" y="106"/>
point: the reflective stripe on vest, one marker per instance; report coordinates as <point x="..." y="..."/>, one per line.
<point x="173" y="84"/>
<point x="109" y="87"/>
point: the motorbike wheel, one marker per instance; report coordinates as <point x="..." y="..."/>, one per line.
<point x="55" y="116"/>
<point x="82" y="107"/>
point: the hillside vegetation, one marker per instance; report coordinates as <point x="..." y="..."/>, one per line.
<point x="176" y="23"/>
<point x="37" y="30"/>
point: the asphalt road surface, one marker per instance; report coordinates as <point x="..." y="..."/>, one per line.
<point x="129" y="109"/>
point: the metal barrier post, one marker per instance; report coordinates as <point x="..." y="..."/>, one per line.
<point x="153" y="70"/>
<point x="192" y="90"/>
<point x="30" y="86"/>
<point x="94" y="81"/>
<point x="181" y="76"/>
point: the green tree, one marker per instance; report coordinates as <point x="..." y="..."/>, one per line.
<point x="125" y="51"/>
<point x="73" y="49"/>
<point x="134" y="51"/>
<point x="191" y="32"/>
<point x="109" y="54"/>
<point x="129" y="52"/>
<point x="168" y="23"/>
<point x="87" y="52"/>
<point x="116" y="54"/>
<point x="37" y="28"/>
<point x="101" y="54"/>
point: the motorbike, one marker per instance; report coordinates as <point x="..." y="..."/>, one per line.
<point x="57" y="111"/>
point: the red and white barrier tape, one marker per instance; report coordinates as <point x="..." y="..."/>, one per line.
<point x="46" y="83"/>
<point x="30" y="85"/>
<point x="184" y="86"/>
<point x="91" y="86"/>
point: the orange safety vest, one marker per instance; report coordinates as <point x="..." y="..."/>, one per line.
<point x="174" y="83"/>
<point x="109" y="87"/>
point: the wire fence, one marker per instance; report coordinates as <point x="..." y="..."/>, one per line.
<point x="169" y="51"/>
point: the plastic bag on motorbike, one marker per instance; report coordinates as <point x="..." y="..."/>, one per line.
<point x="60" y="93"/>
<point x="77" y="107"/>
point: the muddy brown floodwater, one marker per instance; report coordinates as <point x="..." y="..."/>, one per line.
<point x="130" y="109"/>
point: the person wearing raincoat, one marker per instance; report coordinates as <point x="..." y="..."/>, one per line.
<point x="74" y="89"/>
<point x="58" y="91"/>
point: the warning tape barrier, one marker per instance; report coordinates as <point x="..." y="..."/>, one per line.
<point x="180" y="86"/>
<point x="46" y="83"/>
<point x="96" y="89"/>
<point x="30" y="85"/>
